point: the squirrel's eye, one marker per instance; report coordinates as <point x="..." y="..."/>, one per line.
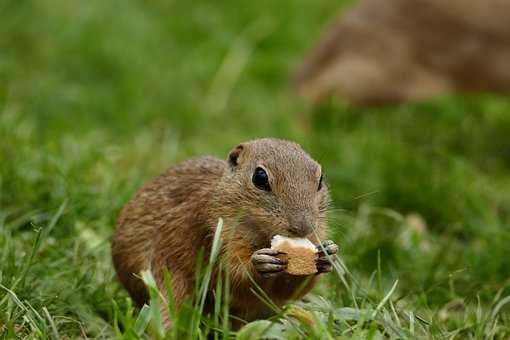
<point x="260" y="179"/>
<point x="320" y="184"/>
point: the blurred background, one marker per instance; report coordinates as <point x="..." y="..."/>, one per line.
<point x="96" y="97"/>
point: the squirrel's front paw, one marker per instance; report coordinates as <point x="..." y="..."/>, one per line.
<point x="267" y="264"/>
<point x="323" y="264"/>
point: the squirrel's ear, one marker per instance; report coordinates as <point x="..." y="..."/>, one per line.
<point x="233" y="156"/>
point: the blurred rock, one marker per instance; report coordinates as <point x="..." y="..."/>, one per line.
<point x="391" y="51"/>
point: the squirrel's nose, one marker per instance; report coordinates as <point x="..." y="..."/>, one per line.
<point x="301" y="227"/>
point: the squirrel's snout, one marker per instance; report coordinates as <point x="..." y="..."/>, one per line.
<point x="301" y="228"/>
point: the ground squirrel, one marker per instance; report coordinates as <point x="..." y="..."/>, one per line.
<point x="266" y="187"/>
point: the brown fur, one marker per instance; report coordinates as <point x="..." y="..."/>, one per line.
<point x="390" y="51"/>
<point x="173" y="217"/>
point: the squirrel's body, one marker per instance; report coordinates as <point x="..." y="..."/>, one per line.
<point x="171" y="219"/>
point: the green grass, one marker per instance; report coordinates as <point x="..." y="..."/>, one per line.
<point x="97" y="97"/>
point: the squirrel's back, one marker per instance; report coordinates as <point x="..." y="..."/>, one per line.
<point x="152" y="216"/>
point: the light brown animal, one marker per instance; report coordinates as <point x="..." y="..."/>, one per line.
<point x="266" y="187"/>
<point x="391" y="51"/>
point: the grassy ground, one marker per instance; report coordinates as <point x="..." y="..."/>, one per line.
<point x="98" y="96"/>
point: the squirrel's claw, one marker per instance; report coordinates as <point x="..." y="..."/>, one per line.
<point x="327" y="247"/>
<point x="266" y="263"/>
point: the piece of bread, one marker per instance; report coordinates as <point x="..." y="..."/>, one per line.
<point x="300" y="253"/>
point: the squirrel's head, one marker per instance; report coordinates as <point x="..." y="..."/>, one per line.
<point x="274" y="187"/>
